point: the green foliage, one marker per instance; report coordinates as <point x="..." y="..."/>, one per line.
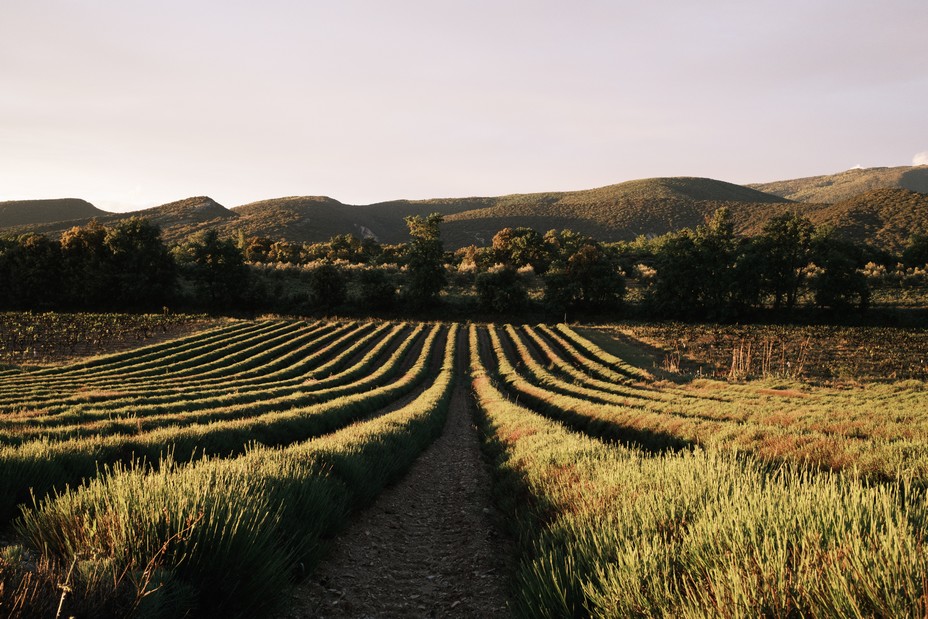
<point x="916" y="252"/>
<point x="30" y="267"/>
<point x="839" y="286"/>
<point x="424" y="261"/>
<point x="216" y="267"/>
<point x="144" y="273"/>
<point x="584" y="274"/>
<point x="376" y="290"/>
<point x="520" y="247"/>
<point x="328" y="286"/>
<point x="784" y="248"/>
<point x="501" y="291"/>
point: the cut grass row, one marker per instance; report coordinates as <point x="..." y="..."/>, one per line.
<point x="148" y="356"/>
<point x="55" y="420"/>
<point x="220" y="537"/>
<point x="40" y="466"/>
<point x="613" y="532"/>
<point x="145" y="419"/>
<point x="739" y="421"/>
<point x="203" y="364"/>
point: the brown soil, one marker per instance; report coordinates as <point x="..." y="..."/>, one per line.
<point x="427" y="548"/>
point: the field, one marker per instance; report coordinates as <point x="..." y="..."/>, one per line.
<point x="208" y="473"/>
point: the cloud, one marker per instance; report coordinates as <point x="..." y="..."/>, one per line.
<point x="920" y="158"/>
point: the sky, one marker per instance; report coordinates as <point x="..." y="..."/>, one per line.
<point x="131" y="103"/>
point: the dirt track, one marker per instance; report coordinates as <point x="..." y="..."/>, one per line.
<point x="426" y="548"/>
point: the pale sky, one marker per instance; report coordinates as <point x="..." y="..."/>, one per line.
<point x="132" y="103"/>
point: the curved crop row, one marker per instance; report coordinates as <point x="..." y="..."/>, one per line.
<point x="225" y="536"/>
<point x="42" y="465"/>
<point x="29" y="387"/>
<point x="612" y="532"/>
<point x="713" y="424"/>
<point x="115" y="405"/>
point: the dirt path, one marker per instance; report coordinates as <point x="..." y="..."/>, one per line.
<point x="426" y="548"/>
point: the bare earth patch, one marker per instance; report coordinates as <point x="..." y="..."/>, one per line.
<point x="427" y="548"/>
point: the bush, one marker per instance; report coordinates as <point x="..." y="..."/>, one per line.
<point x="327" y="287"/>
<point x="501" y="291"/>
<point x="375" y="290"/>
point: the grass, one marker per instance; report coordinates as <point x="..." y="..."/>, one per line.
<point x="608" y="531"/>
<point x="213" y="479"/>
<point x="224" y="537"/>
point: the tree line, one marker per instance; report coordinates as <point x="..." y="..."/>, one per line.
<point x="705" y="273"/>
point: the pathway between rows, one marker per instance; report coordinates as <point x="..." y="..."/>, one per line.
<point x="426" y="548"/>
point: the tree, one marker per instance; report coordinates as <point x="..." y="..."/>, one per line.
<point x="424" y="260"/>
<point x="501" y="290"/>
<point x="785" y="247"/>
<point x="695" y="272"/>
<point x="87" y="267"/>
<point x="215" y="267"/>
<point x="327" y="286"/>
<point x="588" y="278"/>
<point x="143" y="272"/>
<point x="839" y="286"/>
<point x="30" y="272"/>
<point x="916" y="252"/>
<point x="375" y="290"/>
<point x="521" y="247"/>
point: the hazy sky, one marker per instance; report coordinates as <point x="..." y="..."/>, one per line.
<point x="134" y="103"/>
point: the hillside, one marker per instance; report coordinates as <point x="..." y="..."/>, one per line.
<point x="619" y="212"/>
<point x="37" y="212"/>
<point x="177" y="220"/>
<point x="886" y="216"/>
<point x="834" y="188"/>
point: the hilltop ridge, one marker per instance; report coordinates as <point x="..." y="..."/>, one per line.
<point x="888" y="209"/>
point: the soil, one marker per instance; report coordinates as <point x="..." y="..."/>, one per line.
<point x="428" y="547"/>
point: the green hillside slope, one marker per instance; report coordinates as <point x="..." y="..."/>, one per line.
<point x="36" y="212"/>
<point x="834" y="188"/>
<point x="886" y="216"/>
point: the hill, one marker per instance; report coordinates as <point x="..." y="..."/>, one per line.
<point x="615" y="212"/>
<point x="619" y="212"/>
<point x="886" y="216"/>
<point x="37" y="212"/>
<point x="177" y="220"/>
<point x="835" y="188"/>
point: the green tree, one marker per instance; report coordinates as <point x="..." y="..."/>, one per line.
<point x="589" y="278"/>
<point x="696" y="272"/>
<point x="785" y="248"/>
<point x="375" y="289"/>
<point x="839" y="286"/>
<point x="915" y="253"/>
<point x="31" y="276"/>
<point x="424" y="260"/>
<point x="327" y="286"/>
<point x="501" y="291"/>
<point x="87" y="267"/>
<point x="215" y="268"/>
<point x="143" y="271"/>
<point x="519" y="247"/>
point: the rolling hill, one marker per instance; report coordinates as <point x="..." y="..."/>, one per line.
<point x="845" y="185"/>
<point x="177" y="220"/>
<point x="37" y="212"/>
<point x="886" y="216"/>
